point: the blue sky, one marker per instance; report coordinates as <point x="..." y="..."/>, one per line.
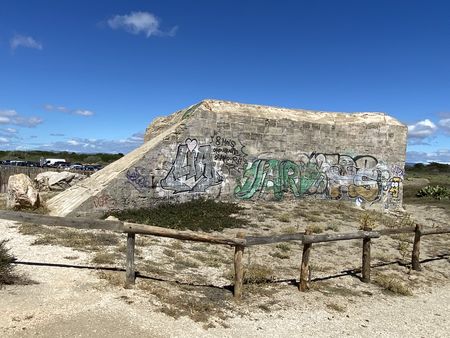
<point x="89" y="76"/>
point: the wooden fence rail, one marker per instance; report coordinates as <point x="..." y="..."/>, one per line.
<point x="239" y="242"/>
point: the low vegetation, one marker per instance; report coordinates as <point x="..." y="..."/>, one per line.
<point x="428" y="185"/>
<point x="182" y="264"/>
<point x="393" y="284"/>
<point x="438" y="192"/>
<point x="7" y="275"/>
<point x="206" y="215"/>
<point x="78" y="239"/>
<point x="258" y="274"/>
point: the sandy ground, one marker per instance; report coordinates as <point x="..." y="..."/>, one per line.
<point x="75" y="302"/>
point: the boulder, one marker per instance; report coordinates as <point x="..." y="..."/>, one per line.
<point x="21" y="192"/>
<point x="57" y="181"/>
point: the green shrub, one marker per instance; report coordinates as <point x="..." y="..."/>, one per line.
<point x="6" y="267"/>
<point x="200" y="214"/>
<point x="437" y="192"/>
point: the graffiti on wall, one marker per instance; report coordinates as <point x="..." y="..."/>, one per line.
<point x="193" y="169"/>
<point x="229" y="151"/>
<point x="140" y="178"/>
<point x="332" y="176"/>
<point x="397" y="172"/>
<point x="103" y="201"/>
<point x="393" y="186"/>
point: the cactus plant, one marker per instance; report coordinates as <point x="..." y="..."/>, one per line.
<point x="437" y="192"/>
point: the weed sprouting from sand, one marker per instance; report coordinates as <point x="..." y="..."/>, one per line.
<point x="393" y="284"/>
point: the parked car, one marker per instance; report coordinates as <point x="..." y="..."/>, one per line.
<point x="76" y="166"/>
<point x="19" y="163"/>
<point x="52" y="162"/>
<point x="62" y="165"/>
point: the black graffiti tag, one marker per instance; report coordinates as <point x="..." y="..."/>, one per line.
<point x="228" y="151"/>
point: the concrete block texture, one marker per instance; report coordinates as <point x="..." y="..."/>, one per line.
<point x="233" y="151"/>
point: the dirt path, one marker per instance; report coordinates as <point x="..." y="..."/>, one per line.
<point x="68" y="302"/>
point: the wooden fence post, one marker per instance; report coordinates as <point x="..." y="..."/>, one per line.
<point x="238" y="268"/>
<point x="415" y="259"/>
<point x="365" y="261"/>
<point x="304" y="269"/>
<point x="130" y="272"/>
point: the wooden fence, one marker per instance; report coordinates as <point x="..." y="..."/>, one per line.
<point x="8" y="170"/>
<point x="240" y="242"/>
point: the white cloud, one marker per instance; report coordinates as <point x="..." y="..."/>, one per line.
<point x="445" y="124"/>
<point x="83" y="112"/>
<point x="8" y="134"/>
<point x="24" y="41"/>
<point x="50" y="107"/>
<point x="62" y="109"/>
<point x="96" y="145"/>
<point x="29" y="122"/>
<point x="441" y="156"/>
<point x="73" y="142"/>
<point x="421" y="129"/>
<point x="12" y="117"/>
<point x="140" y="22"/>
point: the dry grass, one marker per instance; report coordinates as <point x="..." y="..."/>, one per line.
<point x="212" y="259"/>
<point x="258" y="274"/>
<point x="78" y="239"/>
<point x="177" y="245"/>
<point x="284" y="247"/>
<point x="169" y="252"/>
<point x="284" y="218"/>
<point x="151" y="267"/>
<point x="315" y="228"/>
<point x="337" y="307"/>
<point x="290" y="230"/>
<point x="113" y="278"/>
<point x="203" y="305"/>
<point x="393" y="284"/>
<point x="319" y="268"/>
<point x="185" y="257"/>
<point x="367" y="221"/>
<point x="333" y="227"/>
<point x="253" y="274"/>
<point x="105" y="258"/>
<point x="182" y="263"/>
<point x="280" y="255"/>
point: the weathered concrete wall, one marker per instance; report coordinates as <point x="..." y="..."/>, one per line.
<point x="233" y="151"/>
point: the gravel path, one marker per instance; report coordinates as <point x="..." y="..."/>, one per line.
<point x="69" y="302"/>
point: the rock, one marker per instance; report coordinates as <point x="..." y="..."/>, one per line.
<point x="21" y="192"/>
<point x="112" y="218"/>
<point x="57" y="181"/>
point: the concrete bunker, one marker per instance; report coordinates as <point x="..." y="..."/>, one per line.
<point x="232" y="151"/>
